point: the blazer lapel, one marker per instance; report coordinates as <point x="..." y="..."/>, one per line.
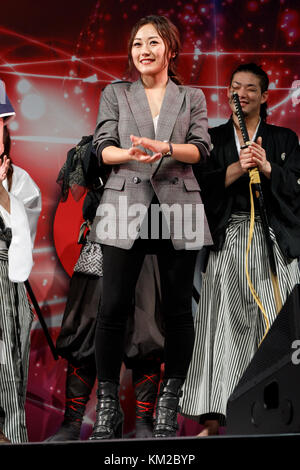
<point x="169" y="111"/>
<point x="140" y="109"/>
<point x="168" y="115"/>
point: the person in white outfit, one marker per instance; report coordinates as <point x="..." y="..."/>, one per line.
<point x="20" y="207"/>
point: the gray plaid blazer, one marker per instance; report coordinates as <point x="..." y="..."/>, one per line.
<point x="124" y="110"/>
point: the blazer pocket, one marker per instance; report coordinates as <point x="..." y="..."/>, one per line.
<point x="191" y="185"/>
<point x="116" y="183"/>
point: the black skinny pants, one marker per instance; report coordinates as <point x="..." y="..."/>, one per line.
<point x="121" y="271"/>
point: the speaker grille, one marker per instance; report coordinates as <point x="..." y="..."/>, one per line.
<point x="276" y="349"/>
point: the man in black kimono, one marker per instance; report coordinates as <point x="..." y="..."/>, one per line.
<point x="229" y="323"/>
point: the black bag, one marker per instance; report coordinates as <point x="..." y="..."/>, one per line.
<point x="82" y="171"/>
<point x="80" y="174"/>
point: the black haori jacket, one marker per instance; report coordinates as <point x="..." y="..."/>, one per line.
<point x="281" y="193"/>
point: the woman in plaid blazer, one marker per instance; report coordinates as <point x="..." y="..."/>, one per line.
<point x="151" y="132"/>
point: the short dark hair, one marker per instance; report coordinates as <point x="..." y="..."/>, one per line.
<point x="263" y="80"/>
<point x="169" y="34"/>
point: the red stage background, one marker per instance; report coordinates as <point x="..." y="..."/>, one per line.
<point x="55" y="58"/>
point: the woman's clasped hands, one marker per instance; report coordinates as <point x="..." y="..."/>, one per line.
<point x="139" y="154"/>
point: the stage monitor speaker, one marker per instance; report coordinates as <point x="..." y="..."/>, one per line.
<point x="267" y="398"/>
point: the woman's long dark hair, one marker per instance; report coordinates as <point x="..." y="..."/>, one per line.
<point x="169" y="34"/>
<point x="7" y="145"/>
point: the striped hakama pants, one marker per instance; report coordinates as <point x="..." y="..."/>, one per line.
<point x="15" y="324"/>
<point x="228" y="323"/>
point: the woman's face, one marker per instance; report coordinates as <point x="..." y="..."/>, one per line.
<point x="149" y="51"/>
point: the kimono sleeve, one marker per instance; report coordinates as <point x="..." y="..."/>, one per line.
<point x="25" y="208"/>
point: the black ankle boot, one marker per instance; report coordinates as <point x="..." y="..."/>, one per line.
<point x="109" y="419"/>
<point x="79" y="383"/>
<point x="145" y="388"/>
<point x="165" y="423"/>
